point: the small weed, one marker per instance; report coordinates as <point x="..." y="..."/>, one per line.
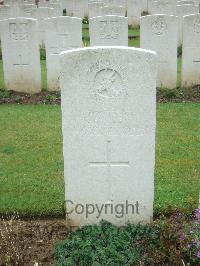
<point x="42" y="54"/>
<point x="179" y="51"/>
<point x="4" y="94"/>
<point x="51" y="98"/>
<point x="18" y="99"/>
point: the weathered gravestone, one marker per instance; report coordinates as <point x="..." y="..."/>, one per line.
<point x="167" y="7"/>
<point x="134" y="10"/>
<point x="108" y="30"/>
<point x="4" y="12"/>
<point x="159" y="33"/>
<point x="181" y="11"/>
<point x="57" y="9"/>
<point x="144" y="4"/>
<point x="80" y="8"/>
<point x="191" y="51"/>
<point x="109" y="119"/>
<point x="115" y="2"/>
<point x="41" y="14"/>
<point x="61" y="34"/>
<point x="94" y="9"/>
<point x="28" y="10"/>
<point x="113" y="10"/>
<point x="7" y="2"/>
<point x="68" y="5"/>
<point x="21" y="58"/>
<point x="28" y="2"/>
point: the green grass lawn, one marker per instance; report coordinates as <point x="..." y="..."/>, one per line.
<point x="31" y="163"/>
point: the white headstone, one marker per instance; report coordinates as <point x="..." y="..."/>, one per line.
<point x="95" y="9"/>
<point x="16" y="9"/>
<point x="159" y="33"/>
<point x="80" y="8"/>
<point x="109" y="119"/>
<point x="29" y="2"/>
<point x="167" y="7"/>
<point x="191" y="51"/>
<point x="144" y="5"/>
<point x="5" y="12"/>
<point x="108" y="30"/>
<point x="69" y="7"/>
<point x="186" y="2"/>
<point x="115" y="2"/>
<point x="134" y="10"/>
<point x="181" y="11"/>
<point x="43" y="3"/>
<point x="7" y="2"/>
<point x="113" y="10"/>
<point x="21" y="58"/>
<point x="43" y="13"/>
<point x="29" y="10"/>
<point x="61" y="34"/>
<point x="57" y="9"/>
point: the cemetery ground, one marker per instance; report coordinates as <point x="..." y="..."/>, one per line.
<point x="32" y="186"/>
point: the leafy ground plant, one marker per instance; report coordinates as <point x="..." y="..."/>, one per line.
<point x="173" y="240"/>
<point x="107" y="244"/>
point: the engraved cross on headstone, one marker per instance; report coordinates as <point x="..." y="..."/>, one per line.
<point x="109" y="163"/>
<point x="20" y="65"/>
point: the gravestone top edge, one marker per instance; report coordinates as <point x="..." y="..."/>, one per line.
<point x="101" y="48"/>
<point x="63" y="17"/>
<point x="108" y="16"/>
<point x="191" y="15"/>
<point x="156" y="15"/>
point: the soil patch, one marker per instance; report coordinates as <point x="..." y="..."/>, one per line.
<point x="30" y="242"/>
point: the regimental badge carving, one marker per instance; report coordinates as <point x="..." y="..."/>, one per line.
<point x="197" y="25"/>
<point x="109" y="29"/>
<point x="18" y="32"/>
<point x="159" y="26"/>
<point x="108" y="84"/>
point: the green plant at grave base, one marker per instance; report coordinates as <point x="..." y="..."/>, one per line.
<point x="42" y="54"/>
<point x="179" y="51"/>
<point x="107" y="244"/>
<point x="167" y="241"/>
<point x="4" y="94"/>
<point x="51" y="98"/>
<point x="167" y="93"/>
<point x="85" y="20"/>
<point x="18" y="99"/>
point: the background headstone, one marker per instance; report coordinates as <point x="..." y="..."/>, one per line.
<point x="159" y="33"/>
<point x="41" y="14"/>
<point x="94" y="9"/>
<point x="113" y="10"/>
<point x="181" y="11"/>
<point x="61" y="34"/>
<point x="191" y="51"/>
<point x="108" y="30"/>
<point x="21" y="57"/>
